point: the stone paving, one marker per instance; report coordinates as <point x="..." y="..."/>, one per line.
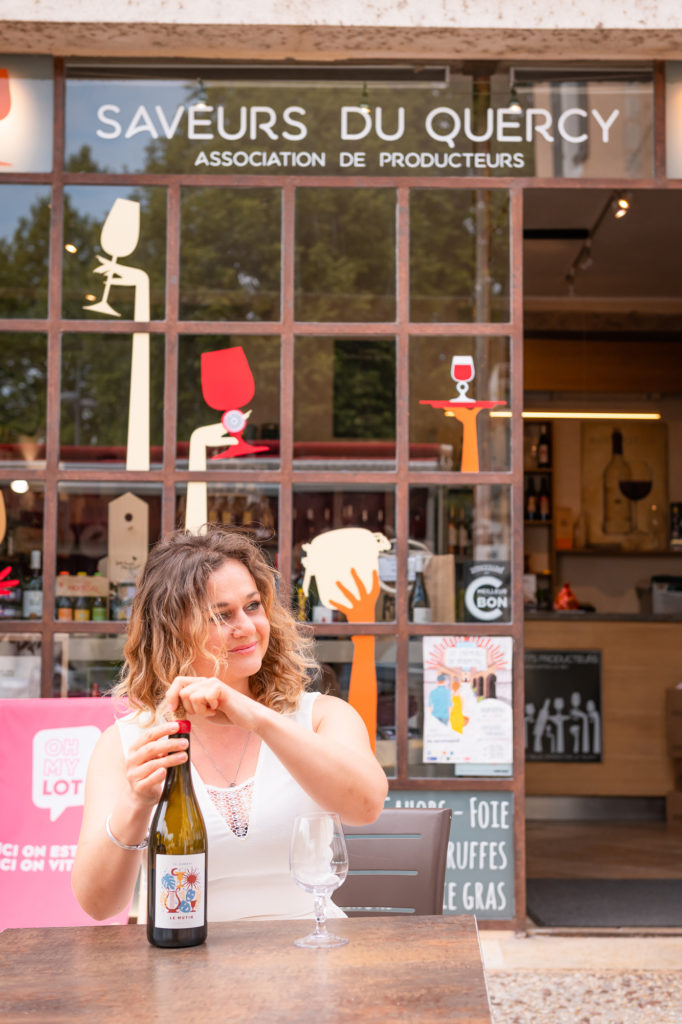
<point x="584" y="979"/>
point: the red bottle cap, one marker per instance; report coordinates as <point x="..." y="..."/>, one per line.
<point x="184" y="725"/>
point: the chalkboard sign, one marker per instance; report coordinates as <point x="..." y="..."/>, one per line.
<point x="479" y="877"/>
<point x="563" y="717"/>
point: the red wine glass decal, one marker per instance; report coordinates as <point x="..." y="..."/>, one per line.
<point x="462" y="372"/>
<point x="227" y="383"/>
<point x="5" y="102"/>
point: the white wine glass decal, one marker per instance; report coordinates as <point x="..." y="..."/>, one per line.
<point x="318" y="860"/>
<point x="119" y="237"/>
<point x="462" y="372"/>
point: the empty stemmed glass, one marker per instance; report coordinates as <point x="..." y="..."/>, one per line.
<point x="318" y="860"/>
<point x="119" y="237"/>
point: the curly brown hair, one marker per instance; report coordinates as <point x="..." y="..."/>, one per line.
<point x="170" y="620"/>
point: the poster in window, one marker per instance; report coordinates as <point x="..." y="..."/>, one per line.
<point x="467" y="703"/>
<point x="563" y="716"/>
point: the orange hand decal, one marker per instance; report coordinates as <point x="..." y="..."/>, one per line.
<point x="362" y="691"/>
<point x="361" y="607"/>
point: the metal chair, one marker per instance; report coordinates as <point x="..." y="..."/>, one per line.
<point x="397" y="865"/>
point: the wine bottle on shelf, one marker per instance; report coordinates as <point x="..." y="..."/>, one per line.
<point x="531" y="500"/>
<point x="617" y="510"/>
<point x="544" y="504"/>
<point x="176" y="901"/>
<point x="81" y="606"/>
<point x="544" y="450"/>
<point x="32" y="593"/>
<point x="419" y="606"/>
<point x="64" y="604"/>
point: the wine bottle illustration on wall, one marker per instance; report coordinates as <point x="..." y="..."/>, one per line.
<point x="617" y="510"/>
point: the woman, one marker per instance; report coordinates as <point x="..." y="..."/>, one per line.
<point x="210" y="641"/>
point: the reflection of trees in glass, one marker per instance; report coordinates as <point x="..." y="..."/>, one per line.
<point x="230" y="254"/>
<point x="95" y="383"/>
<point x="364" y="389"/>
<point x="23" y="374"/>
<point x="345" y="254"/>
<point x="447" y="229"/>
<point x="24" y="257"/>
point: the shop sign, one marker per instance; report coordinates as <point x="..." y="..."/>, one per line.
<point x="479" y="874"/>
<point x="563" y="715"/>
<point x="26" y="113"/>
<point x="44" y="755"/>
<point x="599" y="130"/>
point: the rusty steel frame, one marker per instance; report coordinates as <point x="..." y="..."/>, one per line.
<point x="400" y="479"/>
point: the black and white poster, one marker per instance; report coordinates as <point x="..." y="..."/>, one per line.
<point x="563" y="716"/>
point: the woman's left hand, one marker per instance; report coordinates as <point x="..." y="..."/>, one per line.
<point x="207" y="696"/>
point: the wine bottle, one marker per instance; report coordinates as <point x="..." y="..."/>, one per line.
<point x="544" y="503"/>
<point x="176" y="863"/>
<point x="617" y="512"/>
<point x="531" y="500"/>
<point x="544" y="452"/>
<point x="64" y="604"/>
<point x="32" y="593"/>
<point x="420" y="608"/>
<point x="81" y="606"/>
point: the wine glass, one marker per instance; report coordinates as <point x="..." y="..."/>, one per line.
<point x="226" y="383"/>
<point x="318" y="860"/>
<point x="636" y="487"/>
<point x="119" y="237"/>
<point x="462" y="372"/>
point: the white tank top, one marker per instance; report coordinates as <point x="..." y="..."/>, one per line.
<point x="248" y="877"/>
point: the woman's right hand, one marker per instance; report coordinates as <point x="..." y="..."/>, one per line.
<point x="157" y="749"/>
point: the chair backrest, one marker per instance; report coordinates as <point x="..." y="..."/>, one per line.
<point x="397" y="865"/>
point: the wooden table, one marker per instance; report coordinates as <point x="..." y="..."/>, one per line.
<point x="419" y="969"/>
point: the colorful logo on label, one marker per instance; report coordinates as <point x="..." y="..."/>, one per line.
<point x="180" y="891"/>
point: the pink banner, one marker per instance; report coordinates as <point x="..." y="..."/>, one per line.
<point x="44" y="752"/>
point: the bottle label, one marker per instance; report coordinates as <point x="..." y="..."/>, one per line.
<point x="180" y="890"/>
<point x="81" y="614"/>
<point x="32" y="601"/>
<point x="65" y="614"/>
<point x="421" y="614"/>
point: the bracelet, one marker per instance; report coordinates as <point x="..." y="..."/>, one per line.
<point x="124" y="846"/>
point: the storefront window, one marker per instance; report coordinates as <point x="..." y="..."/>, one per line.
<point x="228" y="402"/>
<point x="98" y="421"/>
<point x="20" y="665"/>
<point x="254" y="507"/>
<point x="230" y="254"/>
<point x="24" y="247"/>
<point x="345" y="255"/>
<point x="461" y="541"/>
<point x="21" y="547"/>
<point x="104" y="532"/>
<point x="86" y="665"/>
<point x="460" y="402"/>
<point x="460" y="703"/>
<point x="459" y="256"/>
<point x="115" y="252"/>
<point x="337" y="657"/>
<point x="344" y="402"/>
<point x="335" y="531"/>
<point x="23" y="369"/>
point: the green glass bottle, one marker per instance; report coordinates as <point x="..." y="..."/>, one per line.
<point x="176" y="896"/>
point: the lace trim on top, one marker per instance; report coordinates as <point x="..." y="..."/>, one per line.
<point x="234" y="805"/>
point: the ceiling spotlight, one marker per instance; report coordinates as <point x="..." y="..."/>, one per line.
<point x="365" y="106"/>
<point x="70" y="247"/>
<point x="622" y="206"/>
<point x="19" y="486"/>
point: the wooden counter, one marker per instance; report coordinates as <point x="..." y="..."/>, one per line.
<point x="640" y="660"/>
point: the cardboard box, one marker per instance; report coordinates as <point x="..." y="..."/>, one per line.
<point x="673" y="721"/>
<point x="673" y="810"/>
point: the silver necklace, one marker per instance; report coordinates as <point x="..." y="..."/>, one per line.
<point x="231" y="782"/>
